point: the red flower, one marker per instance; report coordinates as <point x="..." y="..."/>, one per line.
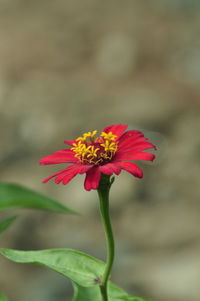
<point x="107" y="154"/>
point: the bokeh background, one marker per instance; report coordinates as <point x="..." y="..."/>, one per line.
<point x="67" y="67"/>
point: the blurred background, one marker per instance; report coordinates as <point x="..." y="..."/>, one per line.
<point x="67" y="67"/>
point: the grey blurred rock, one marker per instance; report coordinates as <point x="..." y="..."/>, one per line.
<point x="185" y="5"/>
<point x="143" y="106"/>
<point x="182" y="160"/>
<point x="173" y="276"/>
<point x="117" y="55"/>
<point x="177" y="224"/>
<point x="59" y="288"/>
<point x="185" y="62"/>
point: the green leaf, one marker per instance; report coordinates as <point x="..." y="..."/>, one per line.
<point x="86" y="293"/>
<point x="115" y="292"/>
<point x="2" y="297"/>
<point x="93" y="293"/>
<point x="79" y="267"/>
<point x="13" y="195"/>
<point x="6" y="223"/>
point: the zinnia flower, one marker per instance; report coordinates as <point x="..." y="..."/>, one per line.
<point x="108" y="154"/>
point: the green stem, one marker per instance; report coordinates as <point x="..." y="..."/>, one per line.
<point x="103" y="192"/>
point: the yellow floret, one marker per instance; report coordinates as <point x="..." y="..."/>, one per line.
<point x="91" y="153"/>
<point x="89" y="135"/>
<point x="109" y="136"/>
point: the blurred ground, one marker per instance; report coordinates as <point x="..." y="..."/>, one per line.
<point x="71" y="66"/>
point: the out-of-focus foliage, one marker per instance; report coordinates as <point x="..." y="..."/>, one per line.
<point x="13" y="195"/>
<point x="3" y="297"/>
<point x="7" y="222"/>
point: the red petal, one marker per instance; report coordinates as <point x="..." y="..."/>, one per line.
<point x="136" y="147"/>
<point x="117" y="129"/>
<point x="134" y="141"/>
<point x="109" y="169"/>
<point x="61" y="156"/>
<point x="130" y="167"/>
<point x="128" y="142"/>
<point x="92" y="178"/>
<point x="132" y="135"/>
<point x="132" y="155"/>
<point x="70" y="142"/>
<point x="66" y="177"/>
<point x="55" y="174"/>
<point x="134" y="144"/>
<point x="68" y="173"/>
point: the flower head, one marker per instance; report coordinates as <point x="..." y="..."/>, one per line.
<point x="107" y="154"/>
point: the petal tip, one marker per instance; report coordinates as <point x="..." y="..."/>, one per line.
<point x="45" y="181"/>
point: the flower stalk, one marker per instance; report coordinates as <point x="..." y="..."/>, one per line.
<point x="103" y="192"/>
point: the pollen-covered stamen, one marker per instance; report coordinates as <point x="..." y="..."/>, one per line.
<point x="108" y="136"/>
<point x="78" y="148"/>
<point x="95" y="151"/>
<point x="109" y="146"/>
<point x="89" y="136"/>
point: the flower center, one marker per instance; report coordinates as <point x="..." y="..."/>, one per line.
<point x="97" y="151"/>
